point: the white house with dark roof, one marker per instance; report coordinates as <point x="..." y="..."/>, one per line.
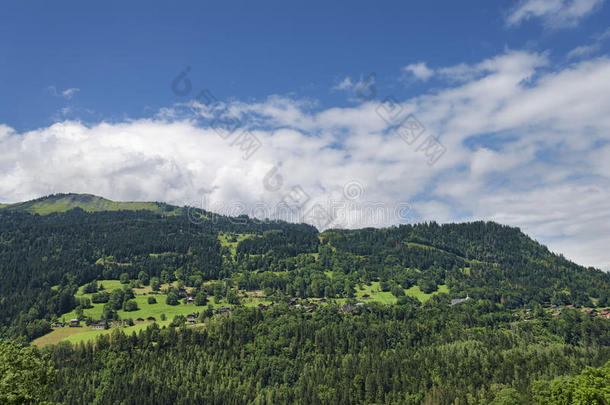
<point x="455" y="301"/>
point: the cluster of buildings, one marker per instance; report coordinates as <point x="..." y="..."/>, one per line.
<point x="603" y="313"/>
<point x="556" y="311"/>
<point x="294" y="302"/>
<point x="102" y="323"/>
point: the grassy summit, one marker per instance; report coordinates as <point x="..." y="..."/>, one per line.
<point x="87" y="202"/>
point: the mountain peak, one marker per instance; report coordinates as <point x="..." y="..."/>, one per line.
<point x="88" y="202"/>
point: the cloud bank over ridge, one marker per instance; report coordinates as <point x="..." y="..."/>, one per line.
<point x="524" y="145"/>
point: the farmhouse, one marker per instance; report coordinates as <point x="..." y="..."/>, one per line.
<point x="456" y="301"/>
<point x="74" y="322"/>
<point x="99" y="325"/>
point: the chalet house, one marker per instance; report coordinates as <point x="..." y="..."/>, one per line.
<point x="556" y="314"/>
<point x="456" y="301"/>
<point x="99" y="325"/>
<point x="191" y="317"/>
<point x="189" y="300"/>
<point x="74" y="322"/>
<point x="347" y="308"/>
<point x="224" y="310"/>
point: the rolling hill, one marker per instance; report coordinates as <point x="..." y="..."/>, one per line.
<point x="87" y="202"/>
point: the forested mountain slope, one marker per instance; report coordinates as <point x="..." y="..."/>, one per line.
<point x="343" y="317"/>
<point x="44" y="258"/>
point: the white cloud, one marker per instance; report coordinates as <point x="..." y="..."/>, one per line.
<point x="587" y="50"/>
<point x="344" y="84"/>
<point x="420" y="71"/>
<point x="554" y="13"/>
<point x="358" y="91"/>
<point x="525" y="145"/>
<point x="584" y="50"/>
<point x="67" y="93"/>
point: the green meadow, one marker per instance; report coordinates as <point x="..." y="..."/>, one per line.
<point x="226" y="240"/>
<point x="386" y="297"/>
<point x="145" y="310"/>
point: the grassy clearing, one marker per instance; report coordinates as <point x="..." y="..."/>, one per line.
<point x="109" y="285"/>
<point x="157" y="255"/>
<point x="226" y="239"/>
<point x="253" y="298"/>
<point x="89" y="334"/>
<point x="56" y="336"/>
<point x="375" y="293"/>
<point x="422" y="296"/>
<point x="145" y="310"/>
<point x="386" y="297"/>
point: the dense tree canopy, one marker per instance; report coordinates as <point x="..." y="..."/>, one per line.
<point x="482" y="351"/>
<point x="26" y="376"/>
<point x="401" y="355"/>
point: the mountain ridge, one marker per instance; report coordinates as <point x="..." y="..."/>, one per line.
<point x="62" y="202"/>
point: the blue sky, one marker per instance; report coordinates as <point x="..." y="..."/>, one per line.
<point x="122" y="55"/>
<point x="376" y="112"/>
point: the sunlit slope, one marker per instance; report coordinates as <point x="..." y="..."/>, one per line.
<point x="87" y="202"/>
